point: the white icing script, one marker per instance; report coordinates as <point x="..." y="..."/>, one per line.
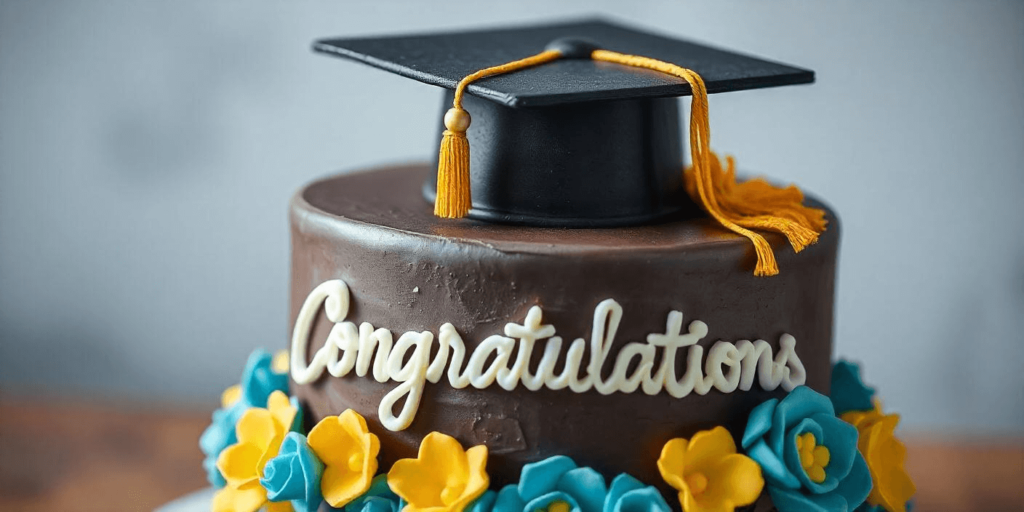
<point x="729" y="366"/>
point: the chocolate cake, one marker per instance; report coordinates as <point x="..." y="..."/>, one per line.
<point x="564" y="299"/>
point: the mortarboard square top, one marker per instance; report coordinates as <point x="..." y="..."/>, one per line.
<point x="571" y="139"/>
<point x="444" y="59"/>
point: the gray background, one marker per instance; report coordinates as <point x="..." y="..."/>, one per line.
<point x="148" y="151"/>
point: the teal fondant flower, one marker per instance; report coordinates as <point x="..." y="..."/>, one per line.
<point x="260" y="378"/>
<point x="849" y="393"/>
<point x="807" y="455"/>
<point x="378" y="498"/>
<point x="294" y="474"/>
<point x="557" y="484"/>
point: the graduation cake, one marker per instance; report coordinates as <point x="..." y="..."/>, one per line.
<point x="570" y="316"/>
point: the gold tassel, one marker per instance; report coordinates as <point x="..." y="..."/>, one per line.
<point x="758" y="204"/>
<point x="453" y="187"/>
<point x="754" y="204"/>
<point x="453" y="197"/>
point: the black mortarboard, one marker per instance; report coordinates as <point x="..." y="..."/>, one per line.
<point x="566" y="139"/>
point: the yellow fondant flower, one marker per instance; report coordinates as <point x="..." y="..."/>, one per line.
<point x="260" y="432"/>
<point x="443" y="478"/>
<point x="708" y="473"/>
<point x="280" y="362"/>
<point x="230" y="396"/>
<point x="349" y="453"/>
<point x="885" y="454"/>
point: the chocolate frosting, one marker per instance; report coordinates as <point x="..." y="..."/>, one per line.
<point x="410" y="271"/>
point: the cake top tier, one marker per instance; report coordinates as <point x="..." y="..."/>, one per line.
<point x="574" y="124"/>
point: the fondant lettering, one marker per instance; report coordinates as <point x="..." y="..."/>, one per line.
<point x="407" y="361"/>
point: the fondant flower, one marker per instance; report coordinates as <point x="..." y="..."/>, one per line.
<point x="808" y="456"/>
<point x="443" y="478"/>
<point x="280" y="363"/>
<point x="848" y="392"/>
<point x="349" y="453"/>
<point x="885" y="455"/>
<point x="259" y="380"/>
<point x="260" y="433"/>
<point x="556" y="484"/>
<point x="708" y="473"/>
<point x="378" y="498"/>
<point x="294" y="474"/>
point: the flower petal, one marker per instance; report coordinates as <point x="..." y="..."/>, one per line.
<point x="443" y="455"/>
<point x="856" y="486"/>
<point x="620" y="486"/>
<point x="772" y="467"/>
<point x="339" y="485"/>
<point x="791" y="454"/>
<point x="239" y="464"/>
<point x="801" y="403"/>
<point x="708" y="446"/>
<point x="759" y="422"/>
<point x="786" y="500"/>
<point x="230" y="396"/>
<point x="282" y="478"/>
<point x="541" y="503"/>
<point x="841" y="440"/>
<point x="539" y="478"/>
<point x="336" y="440"/>
<point x="441" y="464"/>
<point x="586" y="485"/>
<point x="280" y="362"/>
<point x="477" y="481"/>
<point x="509" y="500"/>
<point x="257" y="427"/>
<point x="734" y="479"/>
<point x="848" y="392"/>
<point x="213" y="474"/>
<point x="353" y="423"/>
<point x="485" y="503"/>
<point x="284" y="410"/>
<point x="331" y="442"/>
<point x="672" y="462"/>
<point x="259" y="380"/>
<point x="377" y="498"/>
<point x="415" y="482"/>
<point x="246" y="499"/>
<point x="647" y="499"/>
<point x="281" y="506"/>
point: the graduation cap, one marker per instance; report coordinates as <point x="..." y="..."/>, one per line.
<point x="577" y="125"/>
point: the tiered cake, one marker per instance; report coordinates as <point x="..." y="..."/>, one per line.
<point x="596" y="314"/>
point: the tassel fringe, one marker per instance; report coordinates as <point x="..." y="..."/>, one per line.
<point x="453" y="196"/>
<point x="739" y="207"/>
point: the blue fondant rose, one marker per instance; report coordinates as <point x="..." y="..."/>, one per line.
<point x="556" y="484"/>
<point x="808" y="456"/>
<point x="294" y="474"/>
<point x="259" y="380"/>
<point x="848" y="391"/>
<point x="378" y="498"/>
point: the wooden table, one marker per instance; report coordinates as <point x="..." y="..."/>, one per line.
<point x="106" y="458"/>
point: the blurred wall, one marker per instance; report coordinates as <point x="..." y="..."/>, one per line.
<point x="148" y="151"/>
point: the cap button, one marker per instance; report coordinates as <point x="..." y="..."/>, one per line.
<point x="573" y="47"/>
